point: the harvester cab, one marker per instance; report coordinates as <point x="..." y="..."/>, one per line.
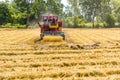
<point x="51" y="26"/>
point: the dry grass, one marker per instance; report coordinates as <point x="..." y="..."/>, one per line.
<point x="33" y="40"/>
<point x="21" y="59"/>
<point x="106" y="37"/>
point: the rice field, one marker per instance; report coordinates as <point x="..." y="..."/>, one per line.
<point x="86" y="54"/>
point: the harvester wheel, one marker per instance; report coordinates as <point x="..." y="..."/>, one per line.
<point x="64" y="38"/>
<point x="41" y="37"/>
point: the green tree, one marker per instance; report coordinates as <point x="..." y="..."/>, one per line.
<point x="17" y="16"/>
<point x="75" y="10"/>
<point x="55" y="5"/>
<point x="24" y="6"/>
<point x="110" y="20"/>
<point x="4" y="13"/>
<point x="116" y="10"/>
<point x="93" y="8"/>
<point x="38" y="7"/>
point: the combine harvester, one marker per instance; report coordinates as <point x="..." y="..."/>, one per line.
<point x="51" y="29"/>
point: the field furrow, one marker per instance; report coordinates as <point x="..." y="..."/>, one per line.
<point x="22" y="58"/>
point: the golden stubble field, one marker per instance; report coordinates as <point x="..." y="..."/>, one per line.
<point x="86" y="54"/>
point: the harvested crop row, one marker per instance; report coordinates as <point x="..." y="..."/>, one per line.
<point x="25" y="59"/>
<point x="89" y="36"/>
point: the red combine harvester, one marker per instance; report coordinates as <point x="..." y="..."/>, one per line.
<point x="51" y="26"/>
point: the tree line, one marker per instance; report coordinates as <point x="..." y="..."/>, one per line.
<point x="93" y="13"/>
<point x="79" y="13"/>
<point x="24" y="11"/>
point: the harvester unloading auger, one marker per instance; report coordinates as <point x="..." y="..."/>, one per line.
<point x="51" y="26"/>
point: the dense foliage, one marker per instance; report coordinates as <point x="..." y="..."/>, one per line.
<point x="93" y="13"/>
<point x="79" y="13"/>
<point x="4" y="13"/>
